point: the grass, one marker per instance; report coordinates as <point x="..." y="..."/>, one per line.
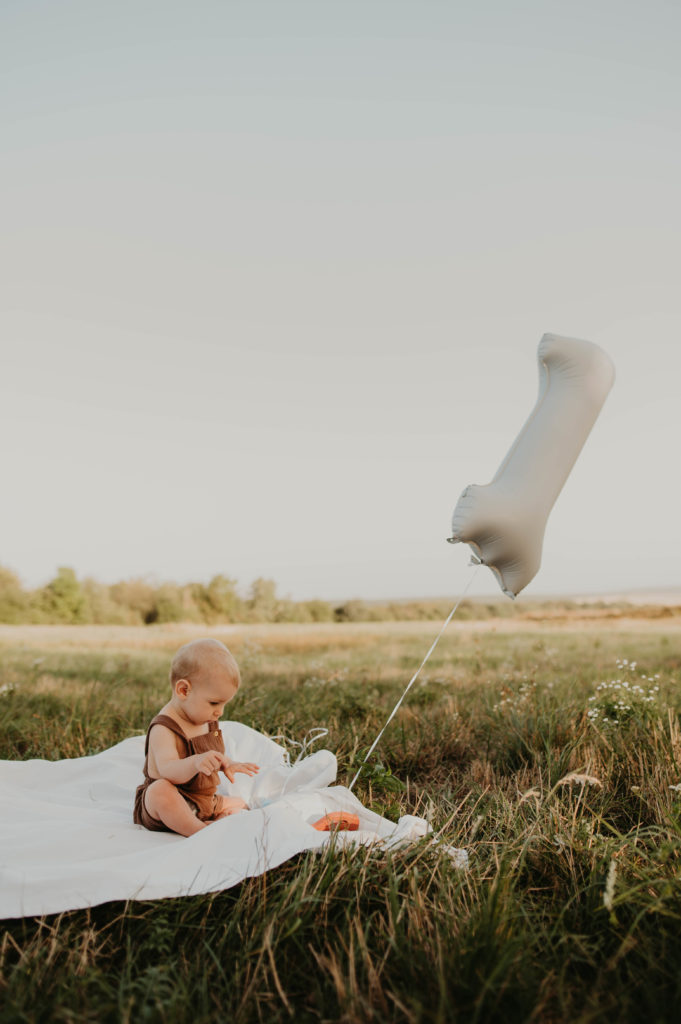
<point x="571" y="910"/>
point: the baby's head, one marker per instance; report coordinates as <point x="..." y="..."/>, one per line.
<point x="204" y="677"/>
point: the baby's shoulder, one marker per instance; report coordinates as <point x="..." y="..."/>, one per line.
<point x="163" y="727"/>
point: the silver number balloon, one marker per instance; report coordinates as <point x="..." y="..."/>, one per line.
<point x="503" y="522"/>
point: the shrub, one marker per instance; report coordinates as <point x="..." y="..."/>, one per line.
<point x="62" y="599"/>
<point x="102" y="608"/>
<point x="14" y="604"/>
<point x="218" y="600"/>
<point x="263" y="603"/>
<point x="135" y="595"/>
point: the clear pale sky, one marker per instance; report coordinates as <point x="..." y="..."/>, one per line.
<point x="274" y="276"/>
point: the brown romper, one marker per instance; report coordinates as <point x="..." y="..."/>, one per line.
<point x="199" y="791"/>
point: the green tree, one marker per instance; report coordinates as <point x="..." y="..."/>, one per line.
<point x="218" y="600"/>
<point x="14" y="604"/>
<point x="102" y="608"/>
<point x="62" y="599"/>
<point x="167" y="605"/>
<point x="263" y="602"/>
<point x="173" y="603"/>
<point x="137" y="596"/>
<point x="318" y="611"/>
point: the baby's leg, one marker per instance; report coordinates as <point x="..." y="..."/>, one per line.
<point x="164" y="801"/>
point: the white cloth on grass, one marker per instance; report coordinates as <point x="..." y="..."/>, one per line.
<point x="68" y="838"/>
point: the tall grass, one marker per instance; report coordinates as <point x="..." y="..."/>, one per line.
<point x="571" y="909"/>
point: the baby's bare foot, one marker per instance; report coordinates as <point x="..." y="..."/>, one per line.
<point x="232" y="805"/>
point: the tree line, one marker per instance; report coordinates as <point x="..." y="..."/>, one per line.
<point x="67" y="599"/>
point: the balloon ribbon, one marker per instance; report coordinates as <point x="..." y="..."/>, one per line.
<point x="415" y="676"/>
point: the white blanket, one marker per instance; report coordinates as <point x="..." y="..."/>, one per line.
<point x="68" y="838"/>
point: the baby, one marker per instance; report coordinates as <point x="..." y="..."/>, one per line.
<point x="184" y="747"/>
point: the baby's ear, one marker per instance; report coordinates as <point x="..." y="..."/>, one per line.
<point x="182" y="687"/>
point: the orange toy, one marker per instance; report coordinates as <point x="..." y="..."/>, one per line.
<point x="337" y="820"/>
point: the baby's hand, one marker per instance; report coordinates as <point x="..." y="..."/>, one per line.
<point x="230" y="767"/>
<point x="209" y="762"/>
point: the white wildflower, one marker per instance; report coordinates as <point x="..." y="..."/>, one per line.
<point x="609" y="891"/>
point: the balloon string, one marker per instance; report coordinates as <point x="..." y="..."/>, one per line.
<point x="415" y="676"/>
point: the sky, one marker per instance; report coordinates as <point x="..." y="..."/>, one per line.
<point x="274" y="276"/>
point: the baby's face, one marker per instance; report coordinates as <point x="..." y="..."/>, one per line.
<point x="207" y="694"/>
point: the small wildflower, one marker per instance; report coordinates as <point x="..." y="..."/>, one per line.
<point x="609" y="891"/>
<point x="617" y="701"/>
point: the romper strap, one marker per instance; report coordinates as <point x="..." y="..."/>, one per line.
<point x="169" y="723"/>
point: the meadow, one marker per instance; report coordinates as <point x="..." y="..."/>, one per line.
<point x="550" y="750"/>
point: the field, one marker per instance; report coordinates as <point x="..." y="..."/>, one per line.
<point x="551" y="751"/>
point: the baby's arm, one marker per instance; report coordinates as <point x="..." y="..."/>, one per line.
<point x="178" y="769"/>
